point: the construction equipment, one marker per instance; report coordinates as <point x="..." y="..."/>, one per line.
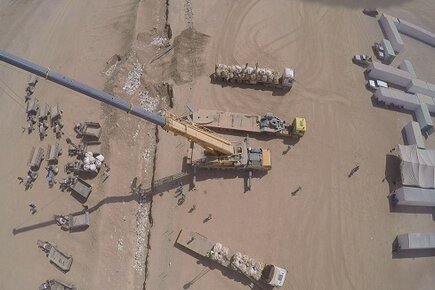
<point x="219" y="153"/>
<point x="267" y="123"/>
<point x="257" y="272"/>
<point x="56" y="285"/>
<point x="73" y="222"/>
<point x="58" y="258"/>
<point x="254" y="75"/>
<point x="88" y="130"/>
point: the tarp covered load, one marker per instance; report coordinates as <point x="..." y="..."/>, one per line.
<point x="417" y="166"/>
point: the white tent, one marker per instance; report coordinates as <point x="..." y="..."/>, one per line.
<point x="417" y="166"/>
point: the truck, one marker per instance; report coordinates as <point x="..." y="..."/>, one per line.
<point x="254" y="75"/>
<point x="414" y="242"/>
<point x="266" y="123"/>
<point x="259" y="273"/>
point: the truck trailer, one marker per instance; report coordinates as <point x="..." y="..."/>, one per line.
<point x="267" y="123"/>
<point x="258" y="272"/>
<point x="414" y="241"/>
<point x="254" y="75"/>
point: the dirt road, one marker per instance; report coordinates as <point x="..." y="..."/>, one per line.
<point x="336" y="233"/>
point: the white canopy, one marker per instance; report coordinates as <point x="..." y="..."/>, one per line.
<point x="417" y="166"/>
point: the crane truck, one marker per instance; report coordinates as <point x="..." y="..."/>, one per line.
<point x="254" y="75"/>
<point x="257" y="272"/>
<point x="218" y="153"/>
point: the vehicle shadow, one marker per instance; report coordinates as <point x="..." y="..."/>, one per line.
<point x="275" y="91"/>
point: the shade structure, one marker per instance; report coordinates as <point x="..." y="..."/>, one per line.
<point x="417" y="166"/>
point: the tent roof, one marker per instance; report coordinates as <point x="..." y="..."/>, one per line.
<point x="417" y="166"/>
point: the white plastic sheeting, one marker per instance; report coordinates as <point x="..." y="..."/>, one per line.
<point x="417" y="166"/>
<point x="389" y="74"/>
<point x="388" y="24"/>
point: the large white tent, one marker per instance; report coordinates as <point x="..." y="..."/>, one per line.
<point x="417" y="166"/>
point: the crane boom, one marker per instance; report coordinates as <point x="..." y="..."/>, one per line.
<point x="207" y="139"/>
<point x="221" y="153"/>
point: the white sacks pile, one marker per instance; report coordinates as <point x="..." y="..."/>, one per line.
<point x="247" y="266"/>
<point x="247" y="73"/>
<point x="238" y="261"/>
<point x="92" y="163"/>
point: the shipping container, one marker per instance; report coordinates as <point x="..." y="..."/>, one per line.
<point x="406" y="65"/>
<point x="413" y="135"/>
<point x="397" y="98"/>
<point x="388" y="24"/>
<point x="390" y="74"/>
<point x="414" y="241"/>
<point x="419" y="86"/>
<point x="423" y="117"/>
<point x="429" y="101"/>
<point x="389" y="54"/>
<point x="413" y="196"/>
<point x="416" y="32"/>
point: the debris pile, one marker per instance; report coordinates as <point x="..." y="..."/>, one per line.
<point x="142" y="223"/>
<point x="160" y="41"/>
<point x="133" y="79"/>
<point x="148" y="102"/>
<point x="247" y="73"/>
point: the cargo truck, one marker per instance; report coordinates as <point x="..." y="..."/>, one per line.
<point x="267" y="123"/>
<point x="258" y="272"/>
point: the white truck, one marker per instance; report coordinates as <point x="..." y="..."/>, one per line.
<point x="254" y="75"/>
<point x="259" y="273"/>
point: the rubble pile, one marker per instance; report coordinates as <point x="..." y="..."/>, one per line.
<point x="160" y="41"/>
<point x="148" y="102"/>
<point x="142" y="223"/>
<point x="247" y="73"/>
<point x="133" y="79"/>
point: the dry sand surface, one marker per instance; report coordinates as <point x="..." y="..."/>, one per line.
<point x="75" y="38"/>
<point x="337" y="232"/>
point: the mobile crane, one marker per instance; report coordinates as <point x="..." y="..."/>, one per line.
<point x="219" y="153"/>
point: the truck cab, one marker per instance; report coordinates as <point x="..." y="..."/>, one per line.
<point x="298" y="127"/>
<point x="288" y="77"/>
<point x="273" y="275"/>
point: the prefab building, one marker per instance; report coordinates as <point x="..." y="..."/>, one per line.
<point x="429" y="101"/>
<point x="389" y="53"/>
<point x="413" y="135"/>
<point x="389" y="74"/>
<point x="423" y="117"/>
<point x="419" y="86"/>
<point x="389" y="28"/>
<point x="417" y="166"/>
<point x="397" y="98"/>
<point x="416" y="32"/>
<point x="414" y="241"/>
<point x="406" y="65"/>
<point x="413" y="196"/>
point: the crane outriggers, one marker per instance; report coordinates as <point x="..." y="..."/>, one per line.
<point x="219" y="152"/>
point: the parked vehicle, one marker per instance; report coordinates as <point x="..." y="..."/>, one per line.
<point x="58" y="258"/>
<point x="56" y="285"/>
<point x="375" y="84"/>
<point x="73" y="222"/>
<point x="362" y="59"/>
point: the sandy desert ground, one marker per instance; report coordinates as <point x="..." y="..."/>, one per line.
<point x="334" y="234"/>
